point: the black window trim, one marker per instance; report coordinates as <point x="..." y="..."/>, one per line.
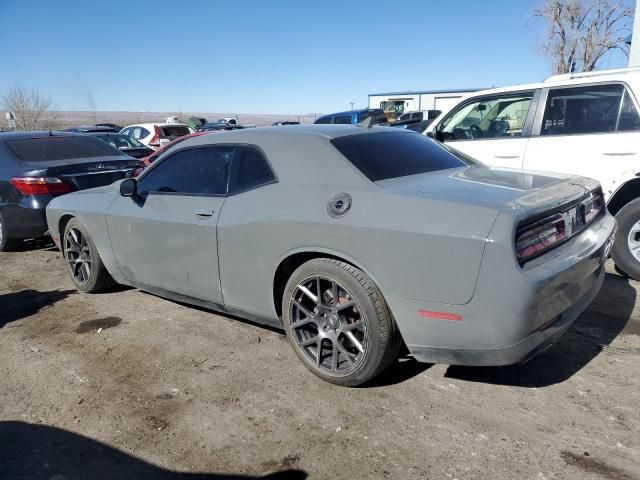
<point x="164" y="158"/>
<point x="542" y="105"/>
<point x="257" y="185"/>
<point x="527" y="128"/>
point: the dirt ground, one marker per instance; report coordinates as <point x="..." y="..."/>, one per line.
<point x="129" y="385"/>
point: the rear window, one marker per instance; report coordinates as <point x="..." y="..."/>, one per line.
<point x="48" y="149"/>
<point x="396" y="154"/>
<point x="378" y="116"/>
<point x="177" y="131"/>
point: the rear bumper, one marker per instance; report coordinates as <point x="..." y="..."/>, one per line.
<point x="519" y="352"/>
<point x="25" y="222"/>
<point x="515" y="312"/>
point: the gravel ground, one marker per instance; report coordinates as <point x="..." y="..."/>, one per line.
<point x="128" y="385"/>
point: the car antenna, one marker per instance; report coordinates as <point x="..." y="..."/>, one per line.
<point x="367" y="123"/>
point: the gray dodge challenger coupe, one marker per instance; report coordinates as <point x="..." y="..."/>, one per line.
<point x="357" y="241"/>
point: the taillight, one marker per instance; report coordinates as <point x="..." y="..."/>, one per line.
<point x="540" y="237"/>
<point x="155" y="140"/>
<point x="592" y="208"/>
<point x="40" y="185"/>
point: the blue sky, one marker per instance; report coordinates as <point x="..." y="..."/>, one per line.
<point x="262" y="56"/>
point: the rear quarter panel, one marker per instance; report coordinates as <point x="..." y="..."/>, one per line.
<point x="412" y="247"/>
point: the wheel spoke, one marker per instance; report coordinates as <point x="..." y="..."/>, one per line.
<point x="319" y="354"/>
<point x="87" y="272"/>
<point x="302" y="308"/>
<point x="344" y="353"/>
<point x="308" y="293"/>
<point x="334" y="357"/>
<point x="352" y="338"/>
<point x="309" y="341"/>
<point x="303" y="322"/>
<point x="352" y="326"/>
<point x="347" y="304"/>
<point x="334" y="293"/>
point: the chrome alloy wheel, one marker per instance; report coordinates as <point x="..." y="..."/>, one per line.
<point x="78" y="255"/>
<point x="328" y="325"/>
<point x="633" y="240"/>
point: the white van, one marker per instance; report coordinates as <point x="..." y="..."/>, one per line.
<point x="583" y="124"/>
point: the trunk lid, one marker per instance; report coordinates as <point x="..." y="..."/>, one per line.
<point x="500" y="188"/>
<point x="83" y="173"/>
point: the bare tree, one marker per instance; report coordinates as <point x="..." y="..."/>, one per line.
<point x="31" y="108"/>
<point x="581" y="32"/>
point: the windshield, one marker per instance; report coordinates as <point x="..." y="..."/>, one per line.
<point x="48" y="149"/>
<point x="120" y="141"/>
<point x="384" y="155"/>
<point x="175" y="131"/>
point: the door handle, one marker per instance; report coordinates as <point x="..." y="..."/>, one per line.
<point x="618" y="154"/>
<point x="507" y="155"/>
<point x="204" y="213"/>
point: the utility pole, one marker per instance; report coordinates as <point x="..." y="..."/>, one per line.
<point x="352" y="104"/>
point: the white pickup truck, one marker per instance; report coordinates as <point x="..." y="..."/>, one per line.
<point x="584" y="124"/>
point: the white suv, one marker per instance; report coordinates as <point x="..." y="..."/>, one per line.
<point x="156" y="135"/>
<point x="583" y="124"/>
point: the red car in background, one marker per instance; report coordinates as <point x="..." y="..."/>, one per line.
<point x="149" y="159"/>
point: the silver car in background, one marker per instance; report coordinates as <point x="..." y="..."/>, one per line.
<point x="355" y="240"/>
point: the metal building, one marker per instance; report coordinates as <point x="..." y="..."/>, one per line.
<point x="402" y="102"/>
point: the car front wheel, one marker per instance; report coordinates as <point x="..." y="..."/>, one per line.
<point x="86" y="269"/>
<point x="338" y="322"/>
<point x="626" y="249"/>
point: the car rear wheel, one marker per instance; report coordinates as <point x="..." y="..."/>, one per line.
<point x="86" y="269"/>
<point x="6" y="242"/>
<point x="626" y="249"/>
<point x="338" y="322"/>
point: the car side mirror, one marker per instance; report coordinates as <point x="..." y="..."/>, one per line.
<point x="437" y="133"/>
<point x="129" y="188"/>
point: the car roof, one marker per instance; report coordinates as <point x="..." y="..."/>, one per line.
<point x="567" y="79"/>
<point x="351" y="112"/>
<point x="161" y="124"/>
<point x="248" y="135"/>
<point x="38" y="134"/>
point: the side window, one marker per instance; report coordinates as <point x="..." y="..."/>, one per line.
<point x="591" y="109"/>
<point x="144" y="133"/>
<point x="343" y="120"/>
<point x="194" y="171"/>
<point x="249" y="169"/>
<point x="629" y="119"/>
<point x="490" y="117"/>
<point x="126" y="131"/>
<point x="323" y="120"/>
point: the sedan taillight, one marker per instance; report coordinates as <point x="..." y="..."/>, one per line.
<point x="540" y="237"/>
<point x="41" y="185"/>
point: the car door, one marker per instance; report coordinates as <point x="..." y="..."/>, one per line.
<point x="589" y="130"/>
<point x="493" y="129"/>
<point x="166" y="238"/>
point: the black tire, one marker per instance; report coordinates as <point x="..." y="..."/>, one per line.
<point x="99" y="278"/>
<point x="627" y="217"/>
<point x="7" y="243"/>
<point x="381" y="340"/>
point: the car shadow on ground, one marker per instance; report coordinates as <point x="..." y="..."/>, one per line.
<point x="18" y="305"/>
<point x="47" y="453"/>
<point x="45" y="243"/>
<point x="608" y="316"/>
